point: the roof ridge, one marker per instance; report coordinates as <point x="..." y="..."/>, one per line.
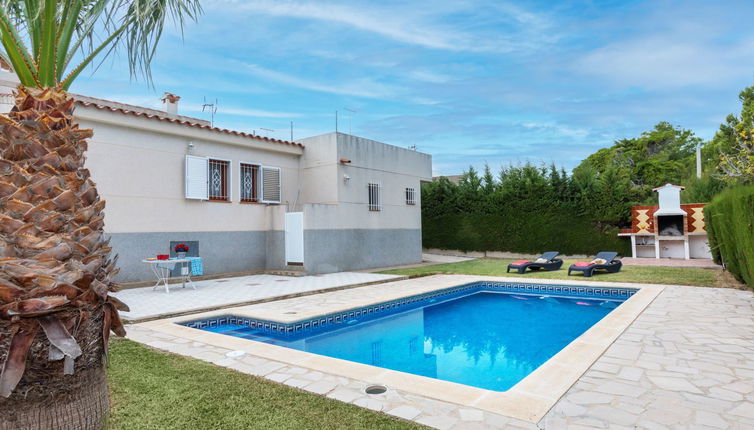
<point x="136" y="108"/>
<point x="159" y="115"/>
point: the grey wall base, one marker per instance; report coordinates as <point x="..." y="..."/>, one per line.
<point x="221" y="251"/>
<point x="325" y="251"/>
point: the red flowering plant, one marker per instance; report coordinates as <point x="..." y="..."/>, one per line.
<point x="181" y="247"/>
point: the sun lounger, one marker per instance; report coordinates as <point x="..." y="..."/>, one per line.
<point x="546" y="261"/>
<point x="611" y="265"/>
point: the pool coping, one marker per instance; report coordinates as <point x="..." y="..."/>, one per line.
<point x="529" y="400"/>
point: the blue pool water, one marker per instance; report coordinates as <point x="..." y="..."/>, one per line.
<point x="490" y="340"/>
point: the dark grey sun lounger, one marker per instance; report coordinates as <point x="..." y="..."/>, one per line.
<point x="612" y="265"/>
<point x="551" y="264"/>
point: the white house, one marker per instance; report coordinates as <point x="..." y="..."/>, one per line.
<point x="244" y="202"/>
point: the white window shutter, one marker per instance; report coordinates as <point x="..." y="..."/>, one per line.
<point x="270" y="184"/>
<point x="197" y="175"/>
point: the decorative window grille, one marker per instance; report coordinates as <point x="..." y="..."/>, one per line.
<point x="249" y="182"/>
<point x="218" y="180"/>
<point x="410" y="196"/>
<point x="374" y="196"/>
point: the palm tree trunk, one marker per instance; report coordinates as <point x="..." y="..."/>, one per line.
<point x="55" y="270"/>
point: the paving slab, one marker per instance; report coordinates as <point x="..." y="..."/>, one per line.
<point x="694" y="380"/>
<point x="149" y="303"/>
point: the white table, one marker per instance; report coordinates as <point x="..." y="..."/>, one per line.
<point x="163" y="268"/>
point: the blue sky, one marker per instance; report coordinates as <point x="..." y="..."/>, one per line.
<point x="470" y="82"/>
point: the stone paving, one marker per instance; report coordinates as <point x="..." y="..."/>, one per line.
<point x="149" y="303"/>
<point x="687" y="362"/>
<point x="704" y="263"/>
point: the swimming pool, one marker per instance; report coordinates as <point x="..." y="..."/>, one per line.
<point x="487" y="335"/>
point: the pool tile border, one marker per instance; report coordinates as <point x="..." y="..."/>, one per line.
<point x="399" y="305"/>
<point x="529" y="400"/>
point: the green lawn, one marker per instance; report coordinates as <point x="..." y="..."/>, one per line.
<point x="639" y="274"/>
<point x="155" y="390"/>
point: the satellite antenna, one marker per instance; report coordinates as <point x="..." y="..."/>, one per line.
<point x="349" y="118"/>
<point x="412" y="147"/>
<point x="211" y="108"/>
<point x="269" y="130"/>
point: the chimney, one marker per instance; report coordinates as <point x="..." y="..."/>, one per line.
<point x="670" y="200"/>
<point x="171" y="103"/>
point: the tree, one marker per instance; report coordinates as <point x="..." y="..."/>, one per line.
<point x="661" y="155"/>
<point x="735" y="143"/>
<point x="55" y="265"/>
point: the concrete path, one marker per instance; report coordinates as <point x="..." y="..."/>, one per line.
<point x="427" y="260"/>
<point x="704" y="263"/>
<point x="438" y="259"/>
<point x="148" y="303"/>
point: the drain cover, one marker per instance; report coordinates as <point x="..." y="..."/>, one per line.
<point x="376" y="389"/>
<point x="291" y="313"/>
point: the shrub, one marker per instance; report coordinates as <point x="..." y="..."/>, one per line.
<point x="531" y="233"/>
<point x="528" y="209"/>
<point x="730" y="225"/>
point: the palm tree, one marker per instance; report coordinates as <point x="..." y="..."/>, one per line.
<point x="55" y="265"/>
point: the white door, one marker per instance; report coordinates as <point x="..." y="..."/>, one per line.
<point x="294" y="238"/>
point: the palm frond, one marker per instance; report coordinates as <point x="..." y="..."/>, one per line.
<point x="42" y="38"/>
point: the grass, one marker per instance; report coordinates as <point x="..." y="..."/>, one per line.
<point x="639" y="274"/>
<point x="155" y="390"/>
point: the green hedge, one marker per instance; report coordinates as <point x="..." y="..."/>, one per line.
<point x="730" y="224"/>
<point x="529" y="233"/>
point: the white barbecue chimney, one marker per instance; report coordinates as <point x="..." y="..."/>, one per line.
<point x="670" y="200"/>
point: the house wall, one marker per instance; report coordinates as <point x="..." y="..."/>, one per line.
<point x="8" y="84"/>
<point x="139" y="165"/>
<point x="347" y="235"/>
<point x="319" y="170"/>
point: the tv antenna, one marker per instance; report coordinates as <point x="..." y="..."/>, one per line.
<point x="351" y="112"/>
<point x="412" y="147"/>
<point x="211" y="108"/>
<point x="269" y="130"/>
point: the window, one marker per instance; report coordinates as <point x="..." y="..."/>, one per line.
<point x="211" y="179"/>
<point x="374" y="196"/>
<point x="249" y="182"/>
<point x="270" y="184"/>
<point x="410" y="196"/>
<point x="219" y="179"/>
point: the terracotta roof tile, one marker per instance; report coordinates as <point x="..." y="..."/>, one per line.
<point x="164" y="116"/>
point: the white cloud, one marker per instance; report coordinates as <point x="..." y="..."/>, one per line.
<point x="230" y="110"/>
<point x="362" y="87"/>
<point x="408" y="24"/>
<point x="428" y="76"/>
<point x="559" y="129"/>
<point x="663" y="60"/>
